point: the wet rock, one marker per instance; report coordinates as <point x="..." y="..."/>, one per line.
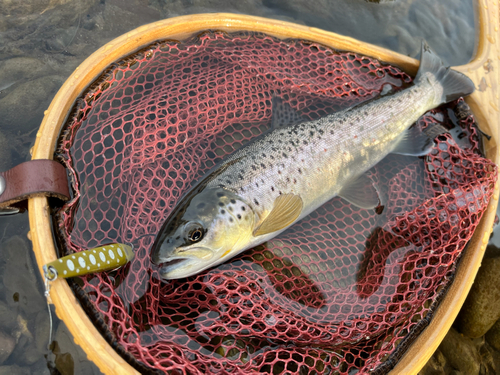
<point x="493" y="336"/>
<point x="42" y="331"/>
<point x="7" y="317"/>
<point x="22" y="284"/>
<point x="435" y="365"/>
<point x="22" y="109"/>
<point x="5" y="153"/>
<point x="26" y="7"/>
<point x="14" y="370"/>
<point x="7" y="345"/>
<point x="23" y="23"/>
<point x="459" y="355"/>
<point x="30" y="355"/>
<point x="69" y="357"/>
<point x="461" y="352"/>
<point x="41" y="367"/>
<point x="482" y="307"/>
<point x="21" y="69"/>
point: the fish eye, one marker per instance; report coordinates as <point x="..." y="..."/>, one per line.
<point x="195" y="235"/>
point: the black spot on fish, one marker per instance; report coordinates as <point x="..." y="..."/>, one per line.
<point x="305" y="142"/>
<point x="254" y="167"/>
<point x="200" y="206"/>
<point x="231" y="220"/>
<point x="257" y="184"/>
<point x="230" y="208"/>
<point x="300" y="171"/>
<point x="222" y="212"/>
<point x="256" y="201"/>
<point x="288" y="179"/>
<point x="311" y="133"/>
<point x="240" y="176"/>
<point x="177" y="238"/>
<point x="243" y="208"/>
<point x="221" y="204"/>
<point x="320" y="131"/>
<point x="341" y="122"/>
<point x="263" y="155"/>
<point x="272" y="188"/>
<point x="285" y="155"/>
<point x="220" y="195"/>
<point x="279" y="172"/>
<point x="332" y="132"/>
<point x="294" y="180"/>
<point x="233" y="201"/>
<point x="263" y="165"/>
<point x="238" y="216"/>
<point x="292" y="143"/>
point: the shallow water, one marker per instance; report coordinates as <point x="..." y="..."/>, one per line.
<point x="42" y="42"/>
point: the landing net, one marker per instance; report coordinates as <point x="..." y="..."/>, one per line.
<point x="345" y="290"/>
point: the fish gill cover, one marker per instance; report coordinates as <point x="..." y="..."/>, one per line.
<point x="345" y="290"/>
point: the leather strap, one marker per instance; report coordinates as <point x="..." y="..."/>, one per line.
<point x="31" y="179"/>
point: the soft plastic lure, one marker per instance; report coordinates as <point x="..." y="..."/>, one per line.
<point x="99" y="259"/>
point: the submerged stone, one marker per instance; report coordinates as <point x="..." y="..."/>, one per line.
<point x="493" y="336"/>
<point x="461" y="352"/>
<point x="482" y="307"/>
<point x="7" y="345"/>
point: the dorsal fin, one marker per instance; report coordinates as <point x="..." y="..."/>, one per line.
<point x="283" y="114"/>
<point x="286" y="210"/>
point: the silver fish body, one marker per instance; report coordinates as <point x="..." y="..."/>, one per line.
<point x="268" y="185"/>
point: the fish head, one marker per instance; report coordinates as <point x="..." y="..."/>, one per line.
<point x="206" y="228"/>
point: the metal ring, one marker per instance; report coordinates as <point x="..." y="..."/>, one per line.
<point x="3" y="184"/>
<point x="50" y="273"/>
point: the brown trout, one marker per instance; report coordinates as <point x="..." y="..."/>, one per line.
<point x="278" y="179"/>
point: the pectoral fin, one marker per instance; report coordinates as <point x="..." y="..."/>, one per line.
<point x="361" y="192"/>
<point x="286" y="210"/>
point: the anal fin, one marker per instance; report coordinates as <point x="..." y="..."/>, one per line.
<point x="286" y="210"/>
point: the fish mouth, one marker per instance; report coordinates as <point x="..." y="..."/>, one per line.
<point x="179" y="268"/>
<point x="184" y="262"/>
<point x="176" y="268"/>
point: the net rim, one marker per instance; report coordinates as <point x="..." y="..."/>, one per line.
<point x="68" y="308"/>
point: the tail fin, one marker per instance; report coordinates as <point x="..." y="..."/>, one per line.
<point x="455" y="84"/>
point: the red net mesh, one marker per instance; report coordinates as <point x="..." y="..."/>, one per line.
<point x="344" y="290"/>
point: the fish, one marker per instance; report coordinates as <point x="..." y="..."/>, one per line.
<point x="279" y="178"/>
